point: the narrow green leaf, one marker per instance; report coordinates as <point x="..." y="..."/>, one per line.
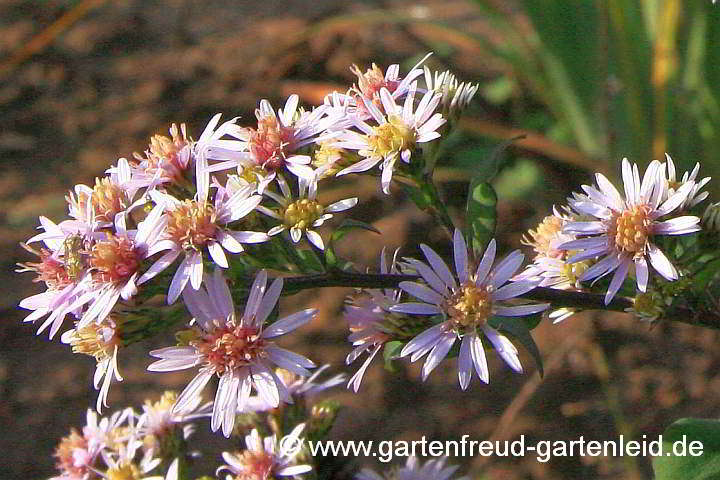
<point x="682" y="442"/>
<point x="518" y="329"/>
<point x="481" y="215"/>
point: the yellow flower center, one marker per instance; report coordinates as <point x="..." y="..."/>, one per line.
<point x="124" y="472"/>
<point x="192" y="225"/>
<point x="92" y="341"/>
<point x="470" y="306"/>
<point x="302" y="213"/>
<point x="573" y="271"/>
<point x="107" y="199"/>
<point x="545" y="233"/>
<point x="228" y="347"/>
<point x="630" y="229"/>
<point x="114" y="259"/>
<point x="391" y="137"/>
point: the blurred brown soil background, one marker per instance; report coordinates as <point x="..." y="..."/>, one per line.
<point x="126" y="69"/>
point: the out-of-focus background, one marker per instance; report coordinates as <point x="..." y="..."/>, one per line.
<point x="588" y="82"/>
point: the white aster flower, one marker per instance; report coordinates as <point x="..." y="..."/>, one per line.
<point x="695" y="196"/>
<point x="193" y="226"/>
<point x="111" y="196"/>
<point x="414" y="470"/>
<point x="264" y="458"/>
<point x="303" y="214"/>
<point x="398" y="132"/>
<point x="624" y="228"/>
<point x="466" y="303"/>
<point x="237" y="350"/>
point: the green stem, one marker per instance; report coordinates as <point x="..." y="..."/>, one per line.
<point x="427" y="198"/>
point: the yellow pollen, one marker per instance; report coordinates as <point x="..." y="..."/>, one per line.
<point x="391" y="137"/>
<point x="114" y="259"/>
<point x="470" y="306"/>
<point x="124" y="472"/>
<point x="228" y="347"/>
<point x="544" y="234"/>
<point x="192" y="225"/>
<point x="107" y="199"/>
<point x="630" y="229"/>
<point x="91" y="341"/>
<point x="302" y="213"/>
<point x="573" y="271"/>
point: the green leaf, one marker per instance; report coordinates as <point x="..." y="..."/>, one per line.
<point x="391" y="352"/>
<point x="331" y="258"/>
<point x="481" y="215"/>
<point x="518" y="329"/>
<point x="310" y="261"/>
<point x="675" y="463"/>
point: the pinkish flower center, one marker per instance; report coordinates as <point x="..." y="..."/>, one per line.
<point x="631" y="229"/>
<point x="65" y="453"/>
<point x="49" y="270"/>
<point x="373" y="80"/>
<point x="391" y="137"/>
<point x="469" y="306"/>
<point x="228" y="347"/>
<point x="115" y="259"/>
<point x="270" y="142"/>
<point x="192" y="225"/>
<point x="302" y="213"/>
<point x="257" y="465"/>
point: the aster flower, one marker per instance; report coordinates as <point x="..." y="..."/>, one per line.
<point x="414" y="470"/>
<point x="111" y="195"/>
<point x="100" y="341"/>
<point x="466" y="303"/>
<point x="302" y="214"/>
<point x="121" y="462"/>
<point x="275" y="144"/>
<point x="166" y="160"/>
<point x="624" y="228"/>
<point x="237" y="350"/>
<point x="694" y="196"/>
<point x="192" y="226"/>
<point x="158" y="421"/>
<point x="372" y="81"/>
<point x="264" y="458"/>
<point x="63" y="267"/>
<point x="399" y="131"/>
<point x="366" y="315"/>
<point x="114" y="263"/>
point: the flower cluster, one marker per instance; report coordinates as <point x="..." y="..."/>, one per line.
<point x="126" y="444"/>
<point x="606" y="232"/>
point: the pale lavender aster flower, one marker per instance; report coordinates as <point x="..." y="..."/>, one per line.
<point x="624" y="228"/>
<point x="237" y="350"/>
<point x="193" y="226"/>
<point x="264" y="458"/>
<point x="365" y="314"/>
<point x="399" y="130"/>
<point x="466" y="303"/>
<point x="302" y="214"/>
<point x="414" y="470"/>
